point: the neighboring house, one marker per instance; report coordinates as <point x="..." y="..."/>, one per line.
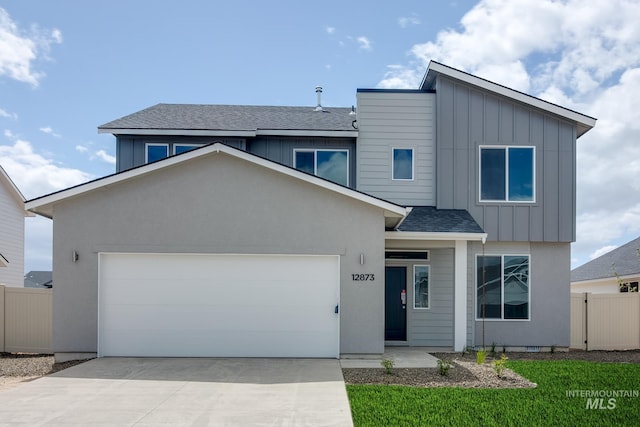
<point x="312" y="232"/>
<point x="38" y="279"/>
<point x="614" y="272"/>
<point x="12" y="214"/>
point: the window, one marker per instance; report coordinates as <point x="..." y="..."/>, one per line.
<point x="402" y="164"/>
<point x="399" y="254"/>
<point x="183" y="148"/>
<point x="507" y="174"/>
<point x="329" y="164"/>
<point x="629" y="287"/>
<point x="506" y="287"/>
<point x="155" y="152"/>
<point x="420" y="286"/>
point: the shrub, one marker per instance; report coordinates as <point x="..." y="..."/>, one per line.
<point x="500" y="365"/>
<point x="553" y="349"/>
<point x="388" y="365"/>
<point x="443" y="367"/>
<point x="493" y="349"/>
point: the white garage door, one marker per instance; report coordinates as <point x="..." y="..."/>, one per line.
<point x="201" y="305"/>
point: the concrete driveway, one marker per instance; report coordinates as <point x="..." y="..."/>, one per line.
<point x="183" y="392"/>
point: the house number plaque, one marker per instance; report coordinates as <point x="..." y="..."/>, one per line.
<point x="363" y="277"/>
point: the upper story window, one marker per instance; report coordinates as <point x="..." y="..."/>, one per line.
<point x="507" y="174"/>
<point x="155" y="152"/>
<point x="329" y="164"/>
<point x="402" y="164"/>
<point x="502" y="287"/>
<point x="183" y="148"/>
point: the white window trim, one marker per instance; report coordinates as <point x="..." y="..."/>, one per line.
<point x="428" y="307"/>
<point x="154" y="144"/>
<point x="506" y="172"/>
<point x="475" y="289"/>
<point x="413" y="161"/>
<point x="194" y="146"/>
<point x="315" y="158"/>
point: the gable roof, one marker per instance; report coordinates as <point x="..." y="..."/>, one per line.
<point x="583" y="122"/>
<point x="44" y="205"/>
<point x="234" y="120"/>
<point x="625" y="259"/>
<point x="13" y="190"/>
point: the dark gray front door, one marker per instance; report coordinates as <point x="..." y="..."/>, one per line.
<point x="395" y="313"/>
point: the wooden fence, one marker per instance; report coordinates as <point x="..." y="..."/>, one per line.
<point x="25" y="320"/>
<point x="605" y="321"/>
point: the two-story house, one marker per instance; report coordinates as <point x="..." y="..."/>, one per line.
<point x="439" y="217"/>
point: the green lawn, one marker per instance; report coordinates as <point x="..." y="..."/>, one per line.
<point x="546" y="405"/>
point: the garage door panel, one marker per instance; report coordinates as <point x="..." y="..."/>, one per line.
<point x="218" y="305"/>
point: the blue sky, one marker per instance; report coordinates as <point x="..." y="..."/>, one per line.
<point x="68" y="66"/>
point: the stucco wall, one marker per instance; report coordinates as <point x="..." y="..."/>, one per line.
<point x="216" y="204"/>
<point x="549" y="281"/>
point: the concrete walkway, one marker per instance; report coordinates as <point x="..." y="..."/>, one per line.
<point x="403" y="357"/>
<point x="183" y="392"/>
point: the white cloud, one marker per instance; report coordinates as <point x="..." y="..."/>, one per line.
<point x="8" y="115"/>
<point x="582" y="55"/>
<point x="102" y="155"/>
<point x="330" y="30"/>
<point x="48" y="130"/>
<point x="602" y="251"/>
<point x="406" y="21"/>
<point x="81" y="149"/>
<point x="34" y="174"/>
<point x="19" y="49"/>
<point x="364" y="43"/>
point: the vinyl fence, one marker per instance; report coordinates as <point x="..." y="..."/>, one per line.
<point x="605" y="321"/>
<point x="25" y="320"/>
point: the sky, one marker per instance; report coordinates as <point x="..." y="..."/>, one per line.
<point x="68" y="66"/>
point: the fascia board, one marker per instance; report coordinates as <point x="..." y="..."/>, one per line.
<point x="231" y="133"/>
<point x="44" y="205"/>
<point x="584" y="122"/>
<point x="420" y="235"/>
<point x="605" y="280"/>
<point x="178" y="132"/>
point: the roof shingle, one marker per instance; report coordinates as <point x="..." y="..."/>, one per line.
<point x="234" y="118"/>
<point x="431" y="220"/>
<point x="625" y="258"/>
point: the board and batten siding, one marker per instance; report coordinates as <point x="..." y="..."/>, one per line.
<point x="280" y="149"/>
<point x="11" y="237"/>
<point x="130" y="149"/>
<point x="469" y="117"/>
<point x="433" y="327"/>
<point x="396" y="119"/>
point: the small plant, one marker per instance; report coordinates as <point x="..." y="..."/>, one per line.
<point x="481" y="355"/>
<point x="443" y="367"/>
<point x="504" y="348"/>
<point x="493" y="349"/>
<point x="553" y="348"/>
<point x="388" y="365"/>
<point x="500" y="365"/>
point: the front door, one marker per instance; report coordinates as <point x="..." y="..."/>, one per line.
<point x="395" y="313"/>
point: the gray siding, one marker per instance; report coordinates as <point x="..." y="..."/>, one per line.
<point x="433" y="327"/>
<point x="280" y="149"/>
<point x="549" y="281"/>
<point x="389" y="120"/>
<point x="130" y="148"/>
<point x="147" y="214"/>
<point x="469" y="117"/>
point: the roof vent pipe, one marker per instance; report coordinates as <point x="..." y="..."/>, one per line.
<point x="319" y="92"/>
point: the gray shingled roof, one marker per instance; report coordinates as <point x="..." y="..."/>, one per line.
<point x="432" y="220"/>
<point x="234" y="118"/>
<point x="625" y="258"/>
